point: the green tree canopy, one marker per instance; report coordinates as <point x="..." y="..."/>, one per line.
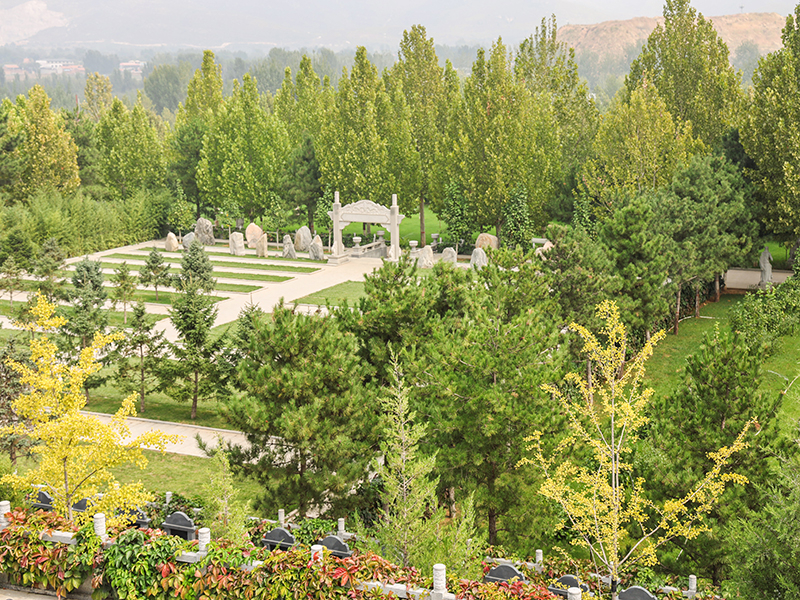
<point x="688" y="62"/>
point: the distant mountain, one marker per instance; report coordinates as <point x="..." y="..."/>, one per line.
<point x="251" y="24"/>
<point x="612" y="38"/>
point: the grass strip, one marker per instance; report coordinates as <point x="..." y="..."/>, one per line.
<point x="350" y="291"/>
<point x="229" y="264"/>
<point x="225" y="274"/>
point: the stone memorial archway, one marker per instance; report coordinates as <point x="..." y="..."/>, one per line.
<point x="364" y="211"/>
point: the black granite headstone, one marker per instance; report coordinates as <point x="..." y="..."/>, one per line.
<point x="563" y="583"/>
<point x="179" y="525"/>
<point x="279" y="538"/>
<point x="636" y="593"/>
<point x="338" y="548"/>
<point x="502" y="573"/>
<point x="43" y="501"/>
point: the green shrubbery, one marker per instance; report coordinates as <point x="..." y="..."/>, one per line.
<point x="81" y="224"/>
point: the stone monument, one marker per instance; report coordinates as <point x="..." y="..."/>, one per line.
<point x="487" y="240"/>
<point x="262" y="246"/>
<point x="764" y="261"/>
<point x="302" y="239"/>
<point x="236" y="244"/>
<point x="188" y="239"/>
<point x="204" y="231"/>
<point x="449" y="255"/>
<point x="171" y="245"/>
<point x="478" y="259"/>
<point x="315" y="250"/>
<point x="253" y="233"/>
<point x="288" y="247"/>
<point x="425" y="260"/>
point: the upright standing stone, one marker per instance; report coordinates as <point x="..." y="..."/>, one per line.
<point x="541" y="250"/>
<point x="204" y="231"/>
<point x="262" y="245"/>
<point x="449" y="255"/>
<point x="236" y="244"/>
<point x="425" y="260"/>
<point x="487" y="240"/>
<point x="288" y="247"/>
<point x="315" y="251"/>
<point x="764" y="262"/>
<point x="478" y="259"/>
<point x="188" y="239"/>
<point x="302" y="239"/>
<point x="171" y="245"/>
<point x="252" y="234"/>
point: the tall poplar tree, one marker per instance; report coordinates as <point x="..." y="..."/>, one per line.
<point x="422" y="82"/>
<point x="48" y="153"/>
<point x="507" y="139"/>
<point x="244" y="153"/>
<point x="688" y="62"/>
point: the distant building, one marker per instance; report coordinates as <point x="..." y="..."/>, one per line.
<point x="10" y="71"/>
<point x="55" y="66"/>
<point x="134" y="67"/>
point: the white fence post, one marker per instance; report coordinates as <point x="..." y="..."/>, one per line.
<point x="99" y="522"/>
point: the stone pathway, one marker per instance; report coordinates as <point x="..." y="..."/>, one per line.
<point x="188" y="442"/>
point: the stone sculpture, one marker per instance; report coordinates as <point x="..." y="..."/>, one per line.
<point x="188" y="239"/>
<point x="478" y="259"/>
<point x="288" y="247"/>
<point x="449" y="255"/>
<point x="171" y="245"/>
<point x="236" y="244"/>
<point x="487" y="240"/>
<point x="262" y="245"/>
<point x="302" y="239"/>
<point x="764" y="261"/>
<point x="315" y="251"/>
<point x="204" y="231"/>
<point x="252" y="234"/>
<point x="425" y="260"/>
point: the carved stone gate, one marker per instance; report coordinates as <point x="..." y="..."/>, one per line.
<point x="364" y="211"/>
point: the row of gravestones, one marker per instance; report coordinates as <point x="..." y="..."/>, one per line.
<point x="424" y="257"/>
<point x="561" y="587"/>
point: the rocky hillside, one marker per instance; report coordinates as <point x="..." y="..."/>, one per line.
<point x="612" y="38"/>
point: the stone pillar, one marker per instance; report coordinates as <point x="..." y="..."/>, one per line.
<point x="317" y="553"/>
<point x="439" y="578"/>
<point x="5" y="507"/>
<point x="338" y="245"/>
<point x="574" y="593"/>
<point x="203" y="538"/>
<point x="394" y="230"/>
<point x="539" y="557"/>
<point x="340" y="529"/>
<point x="692" y="585"/>
<point x="99" y="521"/>
<point x="281" y="517"/>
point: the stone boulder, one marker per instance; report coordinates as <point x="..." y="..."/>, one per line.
<point x="478" y="259"/>
<point x="547" y="245"/>
<point x="425" y="258"/>
<point x="315" y="251"/>
<point x="302" y="239"/>
<point x="487" y="240"/>
<point x="449" y="255"/>
<point x="288" y="247"/>
<point x="252" y="234"/>
<point x="171" y="245"/>
<point x="188" y="239"/>
<point x="204" y="231"/>
<point x="236" y="244"/>
<point x="262" y="246"/>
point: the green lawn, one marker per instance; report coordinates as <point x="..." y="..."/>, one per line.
<point x="231" y="264"/>
<point x="225" y="274"/>
<point x="665" y="368"/>
<point x="107" y="399"/>
<point x="115" y="318"/>
<point x="409" y="227"/>
<point x="349" y="290"/>
<point x="235" y="287"/>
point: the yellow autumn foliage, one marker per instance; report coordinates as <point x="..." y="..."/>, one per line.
<point x="76" y="451"/>
<point x="602" y="499"/>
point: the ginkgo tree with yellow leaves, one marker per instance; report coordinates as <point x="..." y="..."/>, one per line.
<point x="75" y="451"/>
<point x="605" y="502"/>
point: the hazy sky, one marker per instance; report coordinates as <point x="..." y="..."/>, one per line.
<point x="310" y="23"/>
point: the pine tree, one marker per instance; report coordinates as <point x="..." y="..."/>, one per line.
<point x="10" y="278"/>
<point x="47" y="269"/>
<point x="196" y="270"/>
<point x="124" y="288"/>
<point x="197" y="371"/>
<point x="155" y="271"/>
<point x="88" y="299"/>
<point x="139" y="357"/>
<point x="10" y="162"/>
<point x="305" y="411"/>
<point x="302" y="180"/>
<point x="717" y="397"/>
